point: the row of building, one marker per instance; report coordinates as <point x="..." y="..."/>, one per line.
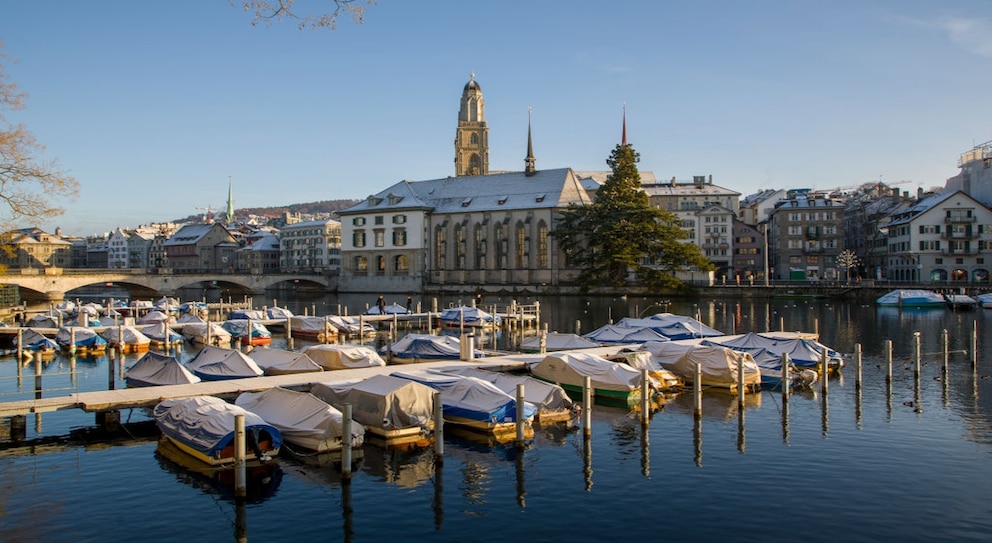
<point x="496" y="229"/>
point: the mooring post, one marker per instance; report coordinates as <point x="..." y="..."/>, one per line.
<point x="740" y="383"/>
<point x="697" y="392"/>
<point x="781" y="325"/>
<point x="974" y="345"/>
<point x="917" y="354"/>
<point x="645" y="397"/>
<point x="289" y="332"/>
<point x="888" y="363"/>
<point x="346" y="442"/>
<point x="785" y="377"/>
<point x="857" y="366"/>
<point x="587" y="406"/>
<point x="947" y="352"/>
<point x="72" y="340"/>
<point x="521" y="416"/>
<point x="240" y="446"/>
<point x="542" y="345"/>
<point x="438" y="428"/>
<point x="824" y="385"/>
<point x="20" y="345"/>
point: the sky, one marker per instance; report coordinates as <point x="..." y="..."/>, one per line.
<point x="155" y="107"/>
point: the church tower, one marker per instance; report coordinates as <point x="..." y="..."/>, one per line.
<point x="472" y="136"/>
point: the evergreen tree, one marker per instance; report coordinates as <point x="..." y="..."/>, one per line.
<point x="620" y="239"/>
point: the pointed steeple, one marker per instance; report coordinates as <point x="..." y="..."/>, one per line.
<point x="529" y="161"/>
<point x="623" y="138"/>
<point x="230" y="201"/>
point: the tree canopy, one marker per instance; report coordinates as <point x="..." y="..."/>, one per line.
<point x="30" y="185"/>
<point x="269" y="11"/>
<point x="620" y="240"/>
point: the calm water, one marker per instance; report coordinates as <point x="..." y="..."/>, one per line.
<point x="910" y="466"/>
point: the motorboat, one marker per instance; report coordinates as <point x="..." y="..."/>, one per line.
<point x="204" y="427"/>
<point x="468" y="316"/>
<point x="612" y="383"/>
<point x="154" y="369"/>
<point x="304" y="420"/>
<point x="217" y="364"/>
<point x="393" y="409"/>
<point x="280" y="362"/>
<point x="911" y="298"/>
<point x="342" y="357"/>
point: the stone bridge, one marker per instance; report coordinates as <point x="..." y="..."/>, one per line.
<point x="54" y="283"/>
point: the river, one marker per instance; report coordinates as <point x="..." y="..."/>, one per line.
<point x="908" y="461"/>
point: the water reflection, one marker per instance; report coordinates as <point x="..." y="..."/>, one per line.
<point x="262" y="478"/>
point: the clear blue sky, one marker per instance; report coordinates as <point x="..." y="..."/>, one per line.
<point x="153" y="106"/>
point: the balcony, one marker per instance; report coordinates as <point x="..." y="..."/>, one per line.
<point x="960" y="220"/>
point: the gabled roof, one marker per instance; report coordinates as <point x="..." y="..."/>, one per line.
<point x="190" y="234"/>
<point x="266" y="243"/>
<point x="924" y="205"/>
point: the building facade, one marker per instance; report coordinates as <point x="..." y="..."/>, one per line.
<point x="311" y="246"/>
<point x="807" y="233"/>
<point x="472" y="134"/>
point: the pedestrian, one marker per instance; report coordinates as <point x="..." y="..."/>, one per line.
<point x="409" y="303"/>
<point x="381" y="304"/>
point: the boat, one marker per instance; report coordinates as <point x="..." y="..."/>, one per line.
<point x="342" y="357"/>
<point x="280" y="362"/>
<point x="217" y="364"/>
<point x="127" y="338"/>
<point x="154" y="369"/>
<point x="45" y="320"/>
<point x="262" y="479"/>
<point x="393" y="409"/>
<point x="248" y="331"/>
<point x="960" y="301"/>
<point x="642" y="360"/>
<point x="612" y="383"/>
<point x="474" y="404"/>
<point x="303" y="419"/>
<point x="719" y="365"/>
<point x="154" y="317"/>
<point x="911" y="298"/>
<point x="468" y="316"/>
<point x="803" y="352"/>
<point x="199" y="309"/>
<point x="984" y="300"/>
<point x="276" y="312"/>
<point x="34" y="343"/>
<point x="161" y="335"/>
<point x="391" y="309"/>
<point x="552" y="402"/>
<point x="673" y="327"/>
<point x="250" y="314"/>
<point x="426" y="347"/>
<point x="313" y="328"/>
<point x="196" y="333"/>
<point x="203" y="427"/>
<point x="555" y="341"/>
<point x="615" y="334"/>
<point x="84" y="341"/>
<point x="351" y="326"/>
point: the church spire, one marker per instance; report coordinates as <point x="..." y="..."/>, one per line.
<point x="623" y="138"/>
<point x="472" y="134"/>
<point x="230" y="201"/>
<point x="529" y="161"/>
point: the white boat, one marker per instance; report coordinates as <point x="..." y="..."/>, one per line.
<point x="803" y="352"/>
<point x="468" y="316"/>
<point x="203" y="427"/>
<point x="984" y="300"/>
<point x="612" y="383"/>
<point x="552" y="402"/>
<point x="313" y="328"/>
<point x="216" y="364"/>
<point x="719" y="366"/>
<point x="911" y="298"/>
<point x="672" y="326"/>
<point x="425" y="347"/>
<point x="154" y="369"/>
<point x="351" y="326"/>
<point x="961" y="301"/>
<point x="303" y="419"/>
<point x="554" y="341"/>
<point x="197" y="333"/>
<point x="393" y="409"/>
<point x="127" y="338"/>
<point x="615" y="334"/>
<point x="280" y="362"/>
<point x="342" y="357"/>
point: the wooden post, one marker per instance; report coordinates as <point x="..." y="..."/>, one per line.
<point x="20" y="345"/>
<point x="697" y="392"/>
<point x="917" y="354"/>
<point x="740" y="383"/>
<point x="825" y="384"/>
<point x="888" y="362"/>
<point x="72" y="340"/>
<point x="785" y="377"/>
<point x="289" y="333"/>
<point x="857" y="366"/>
<point x="542" y="346"/>
<point x="587" y="406"/>
<point x="645" y="397"/>
<point x="346" y="442"/>
<point x="974" y="345"/>
<point x="240" y="483"/>
<point x="781" y="325"/>
<point x="438" y="428"/>
<point x="947" y="352"/>
<point x="521" y="418"/>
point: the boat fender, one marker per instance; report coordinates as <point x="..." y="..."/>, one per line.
<point x="385" y="422"/>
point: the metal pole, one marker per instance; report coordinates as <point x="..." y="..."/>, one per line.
<point x="917" y="354"/>
<point x="947" y="352"/>
<point x="438" y="428"/>
<point x="888" y="362"/>
<point x="740" y="383"/>
<point x="857" y="365"/>
<point x="645" y="397"/>
<point x="521" y="418"/>
<point x="824" y="387"/>
<point x="346" y="442"/>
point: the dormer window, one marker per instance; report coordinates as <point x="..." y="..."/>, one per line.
<point x="466" y="202"/>
<point x="394" y="199"/>
<point x="502" y="200"/>
<point x="540" y="198"/>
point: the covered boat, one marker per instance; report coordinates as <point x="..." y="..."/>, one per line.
<point x="611" y="382"/>
<point x="314" y="328"/>
<point x="45" y="320"/>
<point x="984" y="300"/>
<point x="203" y="427"/>
<point x="391" y="408"/>
<point x="468" y="316"/>
<point x="617" y="334"/>
<point x="161" y="334"/>
<point x="803" y="352"/>
<point x="672" y="326"/>
<point x="343" y="357"/>
<point x="642" y="360"/>
<point x="391" y="309"/>
<point x="154" y="369"/>
<point x="251" y="314"/>
<point x="351" y="326"/>
<point x="718" y="365"/>
<point x="127" y="338"/>
<point x="280" y="362"/>
<point x="475" y="404"/>
<point x="217" y="364"/>
<point x="552" y="402"/>
<point x="36" y="342"/>
<point x="303" y="419"/>
<point x="197" y="333"/>
<point x="153" y="317"/>
<point x="278" y="313"/>
<point x="554" y="341"/>
<point x="85" y="341"/>
<point x="911" y="298"/>
<point x="248" y="331"/>
<point x="421" y="347"/>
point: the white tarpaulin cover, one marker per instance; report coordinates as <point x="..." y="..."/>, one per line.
<point x="342" y="357"/>
<point x="718" y="366"/>
<point x="427" y="347"/>
<point x="280" y="362"/>
<point x="303" y="419"/>
<point x="382" y="401"/>
<point x="802" y="352"/>
<point x="197" y="332"/>
<point x="214" y="363"/>
<point x="546" y="396"/>
<point x="155" y="369"/>
<point x="206" y="423"/>
<point x="571" y="368"/>
<point x="130" y="335"/>
<point x="304" y="325"/>
<point x="557" y="342"/>
<point x="614" y="333"/>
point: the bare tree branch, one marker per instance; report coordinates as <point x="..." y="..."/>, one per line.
<point x="276" y="10"/>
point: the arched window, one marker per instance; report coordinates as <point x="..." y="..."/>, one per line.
<point x="523" y="252"/>
<point x="380" y="264"/>
<point x="499" y="239"/>
<point x="401" y="263"/>
<point x="362" y="264"/>
<point x="480" y="247"/>
<point x="475" y="165"/>
<point x="460" y="247"/>
<point x="440" y="246"/>
<point x="474" y="139"/>
<point x="542" y="245"/>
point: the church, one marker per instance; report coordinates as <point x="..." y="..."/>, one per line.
<point x="473" y="231"/>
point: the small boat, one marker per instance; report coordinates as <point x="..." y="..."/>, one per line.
<point x="84" y="341"/>
<point x="615" y="334"/>
<point x="161" y="334"/>
<point x="468" y="316"/>
<point x="911" y="298"/>
<point x="961" y="301"/>
<point x="984" y="300"/>
<point x="248" y="331"/>
<point x="217" y="364"/>
<point x="45" y="320"/>
<point x="719" y="365"/>
<point x="250" y="314"/>
<point x="275" y="313"/>
<point x="34" y="342"/>
<point x="391" y="408"/>
<point x="313" y="328"/>
<point x="612" y="383"/>
<point x="197" y="334"/>
<point x="642" y="360"/>
<point x="474" y="404"/>
<point x="425" y="347"/>
<point x="154" y="317"/>
<point x="391" y="309"/>
<point x="303" y="419"/>
<point x="127" y="338"/>
<point x="554" y="341"/>
<point x="203" y="427"/>
<point x="343" y="357"/>
<point x="154" y="369"/>
<point x="674" y="327"/>
<point x="803" y="352"/>
<point x="552" y="402"/>
<point x="280" y="362"/>
<point x="351" y="326"/>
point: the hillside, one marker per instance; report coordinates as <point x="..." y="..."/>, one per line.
<point x="309" y="208"/>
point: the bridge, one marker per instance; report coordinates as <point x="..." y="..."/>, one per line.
<point x="53" y="283"/>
